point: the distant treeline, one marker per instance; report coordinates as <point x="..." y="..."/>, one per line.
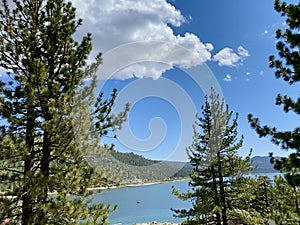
<point x="134" y="168"/>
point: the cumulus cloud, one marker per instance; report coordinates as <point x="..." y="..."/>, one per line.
<point x="227" y="78"/>
<point x="141" y="70"/>
<point x="248" y="73"/>
<point x="227" y="57"/>
<point x="117" y="22"/>
<point x="243" y="52"/>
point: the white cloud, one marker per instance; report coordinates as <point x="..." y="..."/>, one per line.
<point x="243" y="52"/>
<point x="142" y="70"/>
<point x="116" y="22"/>
<point x="227" y="57"/>
<point x="227" y="78"/>
<point x="266" y="32"/>
<point x="248" y="73"/>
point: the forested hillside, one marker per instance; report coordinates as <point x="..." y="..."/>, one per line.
<point x="133" y="168"/>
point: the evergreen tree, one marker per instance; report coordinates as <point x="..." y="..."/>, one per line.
<point x="285" y="200"/>
<point x="217" y="167"/>
<point x="287" y="68"/>
<point x="253" y="200"/>
<point x="48" y="115"/>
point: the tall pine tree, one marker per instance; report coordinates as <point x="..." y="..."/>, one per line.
<point x="217" y="167"/>
<point x="48" y="116"/>
<point x="285" y="199"/>
<point x="287" y="67"/>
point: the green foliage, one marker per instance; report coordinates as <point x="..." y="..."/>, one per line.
<point x="252" y="200"/>
<point x="217" y="173"/>
<point x="132" y="159"/>
<point x="265" y="199"/>
<point x="284" y="206"/>
<point x="133" y="168"/>
<point x="287" y="67"/>
<point x="49" y="116"/>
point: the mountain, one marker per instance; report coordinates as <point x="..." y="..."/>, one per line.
<point x="261" y="164"/>
<point x="133" y="168"/>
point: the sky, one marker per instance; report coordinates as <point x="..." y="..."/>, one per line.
<point x="164" y="56"/>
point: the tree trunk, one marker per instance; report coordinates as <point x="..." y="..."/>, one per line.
<point x="266" y="197"/>
<point x="45" y="169"/>
<point x="26" y="198"/>
<point x="222" y="192"/>
<point x="27" y="204"/>
<point x="218" y="215"/>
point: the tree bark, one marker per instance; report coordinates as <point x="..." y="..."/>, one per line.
<point x="222" y="191"/>
<point x="218" y="215"/>
<point x="27" y="209"/>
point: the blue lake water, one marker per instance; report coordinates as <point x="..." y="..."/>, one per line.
<point x="144" y="203"/>
<point x="147" y="203"/>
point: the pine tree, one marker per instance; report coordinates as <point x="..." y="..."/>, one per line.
<point x="217" y="167"/>
<point x="253" y="200"/>
<point x="287" y="68"/>
<point x="284" y="204"/>
<point x="49" y="114"/>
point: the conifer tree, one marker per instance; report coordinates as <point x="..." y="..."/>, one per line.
<point x="217" y="167"/>
<point x="287" y="66"/>
<point x="284" y="204"/>
<point x="253" y="200"/>
<point x="48" y="116"/>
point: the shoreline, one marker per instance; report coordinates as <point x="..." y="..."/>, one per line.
<point x="157" y="223"/>
<point x="121" y="186"/>
<point x="135" y="184"/>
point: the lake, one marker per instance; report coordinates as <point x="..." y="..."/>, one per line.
<point x="144" y="203"/>
<point x="147" y="203"/>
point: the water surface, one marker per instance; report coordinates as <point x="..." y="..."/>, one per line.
<point x="144" y="203"/>
<point x="149" y="203"/>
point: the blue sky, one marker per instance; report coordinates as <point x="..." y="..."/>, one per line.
<point x="233" y="38"/>
<point x="163" y="56"/>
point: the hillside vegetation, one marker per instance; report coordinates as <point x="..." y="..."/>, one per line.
<point x="133" y="168"/>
